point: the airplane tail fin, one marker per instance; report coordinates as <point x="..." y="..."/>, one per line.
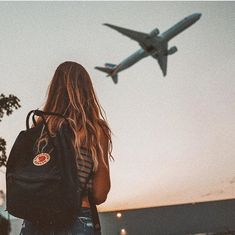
<point x="110" y="70"/>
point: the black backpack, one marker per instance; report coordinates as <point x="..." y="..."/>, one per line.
<point x="5" y="226"/>
<point x="43" y="187"/>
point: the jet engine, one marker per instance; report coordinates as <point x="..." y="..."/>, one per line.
<point x="172" y="50"/>
<point x="154" y="33"/>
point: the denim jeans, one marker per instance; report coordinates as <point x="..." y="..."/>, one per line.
<point x="82" y="226"/>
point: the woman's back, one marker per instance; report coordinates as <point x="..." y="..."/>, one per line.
<point x="71" y="94"/>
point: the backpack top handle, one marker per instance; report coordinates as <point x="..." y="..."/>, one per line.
<point x="41" y="114"/>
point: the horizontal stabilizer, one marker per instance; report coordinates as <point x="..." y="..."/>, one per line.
<point x="110" y="70"/>
<point x="104" y="69"/>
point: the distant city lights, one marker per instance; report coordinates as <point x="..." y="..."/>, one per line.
<point x="123" y="232"/>
<point x="119" y="215"/>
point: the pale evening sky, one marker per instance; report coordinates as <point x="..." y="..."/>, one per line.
<point x="174" y="136"/>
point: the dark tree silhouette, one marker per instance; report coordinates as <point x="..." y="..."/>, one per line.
<point x="7" y="105"/>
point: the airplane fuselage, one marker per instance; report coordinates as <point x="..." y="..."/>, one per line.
<point x="180" y="26"/>
<point x="140" y="54"/>
<point x="132" y="59"/>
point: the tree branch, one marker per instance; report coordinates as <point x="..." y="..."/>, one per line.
<point x="7" y="104"/>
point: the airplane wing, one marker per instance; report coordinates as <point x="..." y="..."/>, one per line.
<point x="137" y="36"/>
<point x="162" y="61"/>
<point x="162" y="58"/>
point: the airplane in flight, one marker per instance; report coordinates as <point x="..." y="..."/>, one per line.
<point x="152" y="44"/>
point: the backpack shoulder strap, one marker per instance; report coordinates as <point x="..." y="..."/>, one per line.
<point x="94" y="213"/>
<point x="42" y="114"/>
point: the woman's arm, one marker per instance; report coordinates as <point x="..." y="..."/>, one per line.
<point x="101" y="180"/>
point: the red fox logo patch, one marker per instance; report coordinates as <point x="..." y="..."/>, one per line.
<point x="41" y="159"/>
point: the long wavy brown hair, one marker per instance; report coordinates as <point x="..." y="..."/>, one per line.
<point x="71" y="94"/>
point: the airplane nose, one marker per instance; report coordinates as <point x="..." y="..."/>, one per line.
<point x="197" y="15"/>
